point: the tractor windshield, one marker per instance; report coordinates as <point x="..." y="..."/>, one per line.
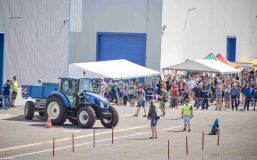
<point x="85" y="85"/>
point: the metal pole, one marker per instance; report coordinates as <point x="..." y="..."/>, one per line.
<point x="53" y="145"/>
<point x="112" y="135"/>
<point x="168" y="149"/>
<point x="186" y="146"/>
<point x="72" y="142"/>
<point x="202" y="144"/>
<point x="94" y="139"/>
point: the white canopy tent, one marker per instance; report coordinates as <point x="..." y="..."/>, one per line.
<point x="115" y="69"/>
<point x="203" y="65"/>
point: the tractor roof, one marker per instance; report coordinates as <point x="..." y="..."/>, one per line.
<point x="74" y="78"/>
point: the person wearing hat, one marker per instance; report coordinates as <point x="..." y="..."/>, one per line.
<point x="14" y="88"/>
<point x="187" y="114"/>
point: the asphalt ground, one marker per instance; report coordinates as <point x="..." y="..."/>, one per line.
<point x="30" y="140"/>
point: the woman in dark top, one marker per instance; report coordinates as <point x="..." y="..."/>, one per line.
<point x="153" y="117"/>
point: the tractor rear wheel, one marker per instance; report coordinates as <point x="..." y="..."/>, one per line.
<point x="29" y="109"/>
<point x="56" y="109"/>
<point x="86" y="117"/>
<point x="113" y="120"/>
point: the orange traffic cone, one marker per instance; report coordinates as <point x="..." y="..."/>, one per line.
<point x="49" y="122"/>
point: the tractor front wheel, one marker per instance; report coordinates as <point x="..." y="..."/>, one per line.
<point x="86" y="117"/>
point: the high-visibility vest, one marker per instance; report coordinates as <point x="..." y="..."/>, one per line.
<point x="14" y="86"/>
<point x="186" y="110"/>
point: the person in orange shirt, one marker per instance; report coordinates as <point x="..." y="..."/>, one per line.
<point x="174" y="95"/>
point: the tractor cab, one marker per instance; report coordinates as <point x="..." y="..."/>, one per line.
<point x="72" y="87"/>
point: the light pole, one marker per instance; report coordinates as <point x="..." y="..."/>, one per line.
<point x="188" y="11"/>
<point x="10" y="20"/>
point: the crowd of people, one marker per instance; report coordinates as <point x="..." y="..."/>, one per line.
<point x="9" y="93"/>
<point x="226" y="91"/>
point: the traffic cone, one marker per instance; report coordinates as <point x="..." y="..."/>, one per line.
<point x="49" y="122"/>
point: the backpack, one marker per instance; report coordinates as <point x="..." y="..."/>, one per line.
<point x="215" y="127"/>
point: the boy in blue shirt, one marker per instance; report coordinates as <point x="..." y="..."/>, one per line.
<point x="6" y="94"/>
<point x="248" y="92"/>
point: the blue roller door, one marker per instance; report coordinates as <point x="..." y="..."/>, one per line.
<point x="1" y="58"/>
<point x="129" y="46"/>
<point x="231" y="49"/>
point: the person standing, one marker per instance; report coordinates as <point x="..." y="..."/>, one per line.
<point x="14" y="88"/>
<point x="109" y="89"/>
<point x="115" y="93"/>
<point x="174" y="95"/>
<point x="234" y="92"/>
<point x="131" y="93"/>
<point x="154" y="86"/>
<point x="218" y="95"/>
<point x="140" y="101"/>
<point x="163" y="99"/>
<point x="227" y="97"/>
<point x="181" y="92"/>
<point x="121" y="87"/>
<point x="153" y="117"/>
<point x="125" y="98"/>
<point x="191" y="84"/>
<point x="248" y="96"/>
<point x="102" y="87"/>
<point x="187" y="114"/>
<point x="6" y="94"/>
<point x="168" y="84"/>
<point x="205" y="95"/>
<point x="254" y="96"/>
<point x="198" y="99"/>
<point x="146" y="88"/>
<point x="148" y="94"/>
<point x="160" y="85"/>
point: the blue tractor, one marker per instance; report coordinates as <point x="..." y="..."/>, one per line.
<point x="72" y="99"/>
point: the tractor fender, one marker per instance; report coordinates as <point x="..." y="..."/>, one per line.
<point x="62" y="97"/>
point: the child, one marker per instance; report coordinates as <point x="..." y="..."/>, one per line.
<point x="153" y="117"/>
<point x="187" y="114"/>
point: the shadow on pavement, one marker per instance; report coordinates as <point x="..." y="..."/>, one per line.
<point x="138" y="139"/>
<point x="21" y="118"/>
<point x="176" y="131"/>
<point x="41" y="122"/>
<point x="173" y="119"/>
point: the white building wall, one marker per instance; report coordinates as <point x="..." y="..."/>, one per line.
<point x="207" y="29"/>
<point x="139" y="16"/>
<point x="36" y="45"/>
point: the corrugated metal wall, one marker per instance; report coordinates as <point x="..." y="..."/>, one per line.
<point x="36" y="44"/>
<point x="129" y="16"/>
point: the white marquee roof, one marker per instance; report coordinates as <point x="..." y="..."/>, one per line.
<point x="114" y="69"/>
<point x="203" y="65"/>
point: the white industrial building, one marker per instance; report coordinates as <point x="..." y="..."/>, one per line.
<point x="42" y="37"/>
<point x="195" y="28"/>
